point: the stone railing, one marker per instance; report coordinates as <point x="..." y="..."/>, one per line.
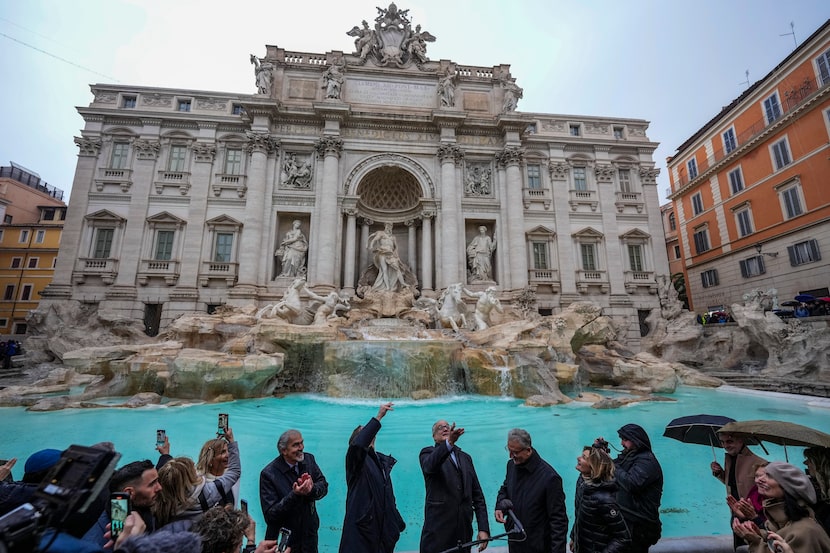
<point x="583" y="197"/>
<point x="106" y="268"/>
<point x="219" y="270"/>
<point x="541" y="195"/>
<point x="166" y="269"/>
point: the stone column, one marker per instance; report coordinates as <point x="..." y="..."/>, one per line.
<point x="412" y="255"/>
<point x="450" y="155"/>
<point x="348" y="265"/>
<point x="426" y="251"/>
<point x="516" y="274"/>
<point x="260" y="145"/>
<point x="194" y="234"/>
<point x="328" y="227"/>
<point x="364" y="241"/>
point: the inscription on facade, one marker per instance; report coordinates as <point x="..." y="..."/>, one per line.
<point x="302" y="88"/>
<point x="391" y="94"/>
<point x="476" y="101"/>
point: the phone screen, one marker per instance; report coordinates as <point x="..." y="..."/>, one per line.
<point x="161" y="436"/>
<point x="244" y="505"/>
<point x="119" y="509"/>
<point x="223" y="424"/>
<point x="285" y="533"/>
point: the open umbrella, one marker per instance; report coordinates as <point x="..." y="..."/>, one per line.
<point x="697" y="429"/>
<point x="778" y="432"/>
<point x="790" y="303"/>
<point x="805" y="297"/>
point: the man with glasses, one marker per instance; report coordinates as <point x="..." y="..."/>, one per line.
<point x="453" y="493"/>
<point x="532" y="493"/>
<point x="738" y="472"/>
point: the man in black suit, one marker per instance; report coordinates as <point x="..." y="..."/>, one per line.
<point x="453" y="494"/>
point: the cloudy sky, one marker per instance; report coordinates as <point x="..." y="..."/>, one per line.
<point x="669" y="62"/>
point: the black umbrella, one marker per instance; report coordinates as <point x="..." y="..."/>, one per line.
<point x="805" y="298"/>
<point x="697" y="429"/>
<point x="790" y="303"/>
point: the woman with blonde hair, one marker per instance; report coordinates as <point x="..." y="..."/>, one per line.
<point x="213" y="462"/>
<point x="598" y="523"/>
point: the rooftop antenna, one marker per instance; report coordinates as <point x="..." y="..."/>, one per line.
<point x="792" y="32"/>
<point x="746" y="82"/>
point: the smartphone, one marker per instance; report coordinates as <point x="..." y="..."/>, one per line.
<point x="243" y="504"/>
<point x="119" y="509"/>
<point x="9" y="477"/>
<point x="223" y="424"/>
<point x="161" y="437"/>
<point x="774" y="547"/>
<point x="282" y="542"/>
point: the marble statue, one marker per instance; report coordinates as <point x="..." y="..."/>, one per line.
<point x="333" y="81"/>
<point x="479" y="253"/>
<point x="670" y="304"/>
<point x="290" y="307"/>
<point x="327" y="310"/>
<point x="446" y="89"/>
<point x="264" y="75"/>
<point x="297" y="173"/>
<point x="416" y="45"/>
<point x="512" y="94"/>
<point x="451" y="308"/>
<point x="384" y="250"/>
<point x="292" y="251"/>
<point x="486" y="304"/>
<point x="364" y="42"/>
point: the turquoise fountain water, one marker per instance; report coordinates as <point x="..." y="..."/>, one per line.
<point x="693" y="501"/>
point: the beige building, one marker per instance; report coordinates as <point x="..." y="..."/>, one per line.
<point x="184" y="200"/>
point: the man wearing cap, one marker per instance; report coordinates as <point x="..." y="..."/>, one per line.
<point x="15" y="494"/>
<point x="640" y="480"/>
<point x="738" y="470"/>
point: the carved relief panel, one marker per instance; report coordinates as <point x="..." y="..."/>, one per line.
<point x="478" y="180"/>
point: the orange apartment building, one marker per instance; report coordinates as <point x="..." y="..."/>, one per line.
<point x="33" y="215"/>
<point x="750" y="190"/>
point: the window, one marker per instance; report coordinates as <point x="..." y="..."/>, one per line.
<point x="791" y="202"/>
<point x="823" y="64"/>
<point x="1" y="235"/>
<point x="753" y="266"/>
<point x="177" y="158"/>
<point x="7" y="219"/>
<point x="672" y="221"/>
<point x="49" y="214"/>
<point x="677" y="252"/>
<point x="580" y="179"/>
<point x="709" y="278"/>
<point x="729" y="141"/>
<point x="8" y="294"/>
<point x="534" y="177"/>
<point x="26" y="292"/>
<point x="237" y="109"/>
<point x="119" y="155"/>
<point x="103" y="243"/>
<point x="743" y="218"/>
<point x="164" y="245"/>
<point x="128" y="102"/>
<point x="183" y="105"/>
<point x="625" y="180"/>
<point x="20" y="328"/>
<point x="697" y="203"/>
<point x="32" y="263"/>
<point x="804" y="252"/>
<point x="224" y="247"/>
<point x="635" y="257"/>
<point x="39" y="236"/>
<point x="691" y="165"/>
<point x="736" y="180"/>
<point x="701" y="240"/>
<point x="24" y="236"/>
<point x="16" y="262"/>
<point x="618" y="132"/>
<point x="574" y="130"/>
<point x="589" y="257"/>
<point x="772" y="108"/>
<point x="540" y="255"/>
<point x="781" y="154"/>
<point x="233" y="161"/>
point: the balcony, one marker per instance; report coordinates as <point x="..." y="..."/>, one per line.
<point x="629" y="199"/>
<point x="105" y="268"/>
<point x="223" y="181"/>
<point x="544" y="277"/>
<point x="108" y="176"/>
<point x="586" y="279"/>
<point x="640" y="279"/>
<point x="219" y="270"/>
<point x="583" y="197"/>
<point x="540" y="195"/>
<point x="156" y="268"/>
<point x="173" y="179"/>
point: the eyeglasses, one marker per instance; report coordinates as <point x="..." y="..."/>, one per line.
<point x="515" y="451"/>
<point x="443" y="427"/>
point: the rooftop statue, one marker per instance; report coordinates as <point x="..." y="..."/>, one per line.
<point x="392" y="40"/>
<point x="333" y="80"/>
<point x="512" y="94"/>
<point x="263" y="70"/>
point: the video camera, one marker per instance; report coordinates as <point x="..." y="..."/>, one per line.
<point x="70" y="487"/>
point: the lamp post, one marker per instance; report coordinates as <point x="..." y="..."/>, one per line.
<point x="770" y="254"/>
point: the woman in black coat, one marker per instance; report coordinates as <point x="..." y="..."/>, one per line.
<point x="372" y="523"/>
<point x="598" y="523"/>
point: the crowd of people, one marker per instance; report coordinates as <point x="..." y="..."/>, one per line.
<point x="180" y="505"/>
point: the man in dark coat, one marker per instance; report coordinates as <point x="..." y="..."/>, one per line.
<point x="289" y="486"/>
<point x="372" y="523"/>
<point x="453" y="493"/>
<point x="640" y="480"/>
<point x="533" y="490"/>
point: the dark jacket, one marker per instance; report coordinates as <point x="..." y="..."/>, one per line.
<point x="598" y="523"/>
<point x="372" y="523"/>
<point x="640" y="481"/>
<point x="535" y="489"/>
<point x="96" y="533"/>
<point x="282" y="508"/>
<point x="453" y="494"/>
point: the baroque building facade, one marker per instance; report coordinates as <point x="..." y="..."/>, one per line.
<point x="184" y="200"/>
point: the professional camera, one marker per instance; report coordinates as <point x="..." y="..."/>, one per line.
<point x="69" y="488"/>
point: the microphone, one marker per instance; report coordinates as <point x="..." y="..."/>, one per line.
<point x="507" y="505"/>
